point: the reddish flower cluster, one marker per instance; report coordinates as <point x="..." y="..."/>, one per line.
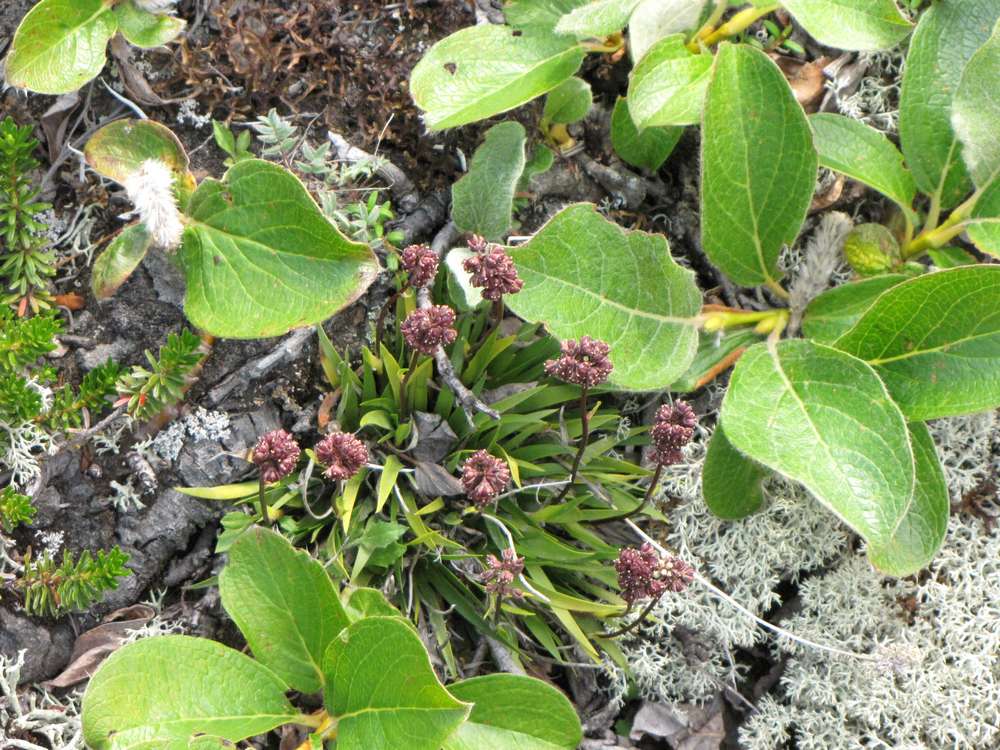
<point x="644" y="574"/>
<point x="584" y="362"/>
<point x="484" y="477"/>
<point x="426" y="329"/>
<point x="492" y="270"/>
<point x="421" y="264"/>
<point x="276" y="454"/>
<point x="673" y="428"/>
<point x="342" y="455"/>
<point x="501" y="573"/>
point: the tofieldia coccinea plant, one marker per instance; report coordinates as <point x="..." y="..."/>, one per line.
<point x="840" y="409"/>
<point x="351" y="648"/>
<point x="258" y="255"/>
<point x="61" y="44"/>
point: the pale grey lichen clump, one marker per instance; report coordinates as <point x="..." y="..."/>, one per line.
<point x="931" y="676"/>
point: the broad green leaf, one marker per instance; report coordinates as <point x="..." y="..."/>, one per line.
<point x="654" y="20"/>
<point x="951" y="256"/>
<point x="483" y="200"/>
<point x="514" y="713"/>
<point x="851" y="24"/>
<point x="731" y="483"/>
<point x="668" y="85"/>
<point x="383" y="691"/>
<point x="921" y="532"/>
<point x="122" y="256"/>
<point x="117" y="150"/>
<point x="147" y="30"/>
<point x="758" y="166"/>
<point x="717" y="351"/>
<point x="648" y="149"/>
<point x="984" y="230"/>
<point x="975" y="112"/>
<point x="465" y="295"/>
<point x="585" y="275"/>
<point x="161" y="692"/>
<point x="540" y="162"/>
<point x="366" y="602"/>
<point x="60" y="45"/>
<point x="484" y="70"/>
<point x="285" y="605"/>
<point x="833" y="312"/>
<point x="862" y="153"/>
<point x="947" y="35"/>
<point x="568" y="102"/>
<point x="935" y="341"/>
<point x="823" y="418"/>
<point x="260" y="258"/>
<point x="598" y="18"/>
<point x="542" y="15"/>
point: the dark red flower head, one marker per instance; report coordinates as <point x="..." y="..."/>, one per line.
<point x="426" y="329"/>
<point x="484" y="477"/>
<point x="276" y="454"/>
<point x="500" y="573"/>
<point x="644" y="574"/>
<point x="478" y="244"/>
<point x="493" y="271"/>
<point x="342" y="455"/>
<point x="673" y="428"/>
<point x="421" y="263"/>
<point x="584" y="362"/>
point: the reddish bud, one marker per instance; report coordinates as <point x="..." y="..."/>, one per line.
<point x="673" y="428"/>
<point x="426" y="329"/>
<point x="501" y="573"/>
<point x="342" y="455"/>
<point x="421" y="264"/>
<point x="584" y="362"/>
<point x="276" y="454"/>
<point x="484" y="477"/>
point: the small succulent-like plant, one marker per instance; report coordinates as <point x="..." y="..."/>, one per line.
<point x="61" y="44"/>
<point x="351" y="648"/>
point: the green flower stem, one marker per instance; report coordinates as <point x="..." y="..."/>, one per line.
<point x="261" y="500"/>
<point x="636" y="622"/>
<point x="709" y="26"/>
<point x="404" y="405"/>
<point x="937" y="236"/>
<point x="584" y="437"/>
<point x="653" y="482"/>
<point x="380" y="323"/>
<point x="738" y="23"/>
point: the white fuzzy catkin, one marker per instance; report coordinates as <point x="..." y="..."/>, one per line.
<point x="155" y="6"/>
<point x="150" y="188"/>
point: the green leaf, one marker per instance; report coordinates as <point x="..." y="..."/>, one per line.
<point x="366" y="602"/>
<point x="585" y="275"/>
<point x="758" y="167"/>
<point x="654" y="20"/>
<point x="383" y="691"/>
<point x="510" y="712"/>
<point x="117" y="150"/>
<point x="540" y="15"/>
<point x="158" y="693"/>
<point x="731" y="483"/>
<point x="484" y="70"/>
<point x="946" y="37"/>
<point x="714" y="350"/>
<point x="851" y="24"/>
<point x="285" y="605"/>
<point x="387" y="480"/>
<point x="985" y="229"/>
<point x="950" y="257"/>
<point x="112" y="267"/>
<point x="568" y="102"/>
<point x="935" y="341"/>
<point x="60" y="45"/>
<point x="260" y="258"/>
<point x="483" y="200"/>
<point x="648" y="149"/>
<point x="221" y="492"/>
<point x="599" y="18"/>
<point x="921" y="532"/>
<point x="668" y="85"/>
<point x="975" y="111"/>
<point x="833" y="312"/>
<point x="823" y="418"/>
<point x="464" y="294"/>
<point x="864" y="154"/>
<point x="147" y="30"/>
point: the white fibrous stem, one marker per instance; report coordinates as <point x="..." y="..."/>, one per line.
<point x="155" y="6"/>
<point x="150" y="188"/>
